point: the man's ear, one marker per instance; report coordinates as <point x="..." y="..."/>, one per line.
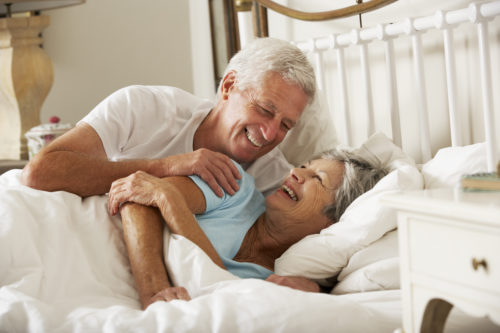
<point x="227" y="85"/>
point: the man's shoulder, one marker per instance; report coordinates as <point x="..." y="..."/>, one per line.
<point x="151" y="91"/>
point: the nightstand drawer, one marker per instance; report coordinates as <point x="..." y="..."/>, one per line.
<point x="454" y="251"/>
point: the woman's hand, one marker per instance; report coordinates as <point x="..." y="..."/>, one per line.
<point x="169" y="294"/>
<point x="140" y="187"/>
<point x="295" y="282"/>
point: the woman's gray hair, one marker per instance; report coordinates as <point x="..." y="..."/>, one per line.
<point x="359" y="177"/>
<point x="265" y="55"/>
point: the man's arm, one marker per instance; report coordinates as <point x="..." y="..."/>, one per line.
<point x="76" y="162"/>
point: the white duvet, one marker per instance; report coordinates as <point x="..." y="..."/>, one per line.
<point x="63" y="268"/>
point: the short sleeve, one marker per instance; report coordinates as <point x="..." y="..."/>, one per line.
<point x="123" y="117"/>
<point x="213" y="201"/>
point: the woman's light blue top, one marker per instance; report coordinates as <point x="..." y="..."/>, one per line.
<point x="226" y="221"/>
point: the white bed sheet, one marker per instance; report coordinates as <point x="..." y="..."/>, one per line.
<point x="63" y="268"/>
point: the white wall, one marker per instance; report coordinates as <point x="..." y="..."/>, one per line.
<point x="103" y="45"/>
<point x="201" y="49"/>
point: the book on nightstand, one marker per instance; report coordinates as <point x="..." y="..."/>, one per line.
<point x="483" y="181"/>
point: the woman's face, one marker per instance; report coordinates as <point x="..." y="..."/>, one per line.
<point x="300" y="201"/>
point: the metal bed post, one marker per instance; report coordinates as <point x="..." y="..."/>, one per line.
<point x="451" y="79"/>
<point x="365" y="72"/>
<point x="476" y="16"/>
<point x="418" y="68"/>
<point x="318" y="66"/>
<point x="339" y="50"/>
<point x="392" y="85"/>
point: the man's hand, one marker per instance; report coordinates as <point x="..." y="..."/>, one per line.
<point x="169" y="294"/>
<point x="295" y="282"/>
<point x="216" y="169"/>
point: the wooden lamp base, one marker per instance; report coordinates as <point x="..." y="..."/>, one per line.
<point x="26" y="76"/>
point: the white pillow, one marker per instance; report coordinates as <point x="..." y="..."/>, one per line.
<point x="380" y="275"/>
<point x="450" y="163"/>
<point x="375" y="267"/>
<point x="323" y="255"/>
<point x="313" y="134"/>
<point x="384" y="248"/>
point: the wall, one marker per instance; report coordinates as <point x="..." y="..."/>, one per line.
<point x="103" y="45"/>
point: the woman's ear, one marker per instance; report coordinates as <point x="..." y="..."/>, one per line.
<point x="228" y="83"/>
<point x="329" y="223"/>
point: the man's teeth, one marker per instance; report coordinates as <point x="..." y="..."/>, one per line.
<point x="252" y="139"/>
<point x="289" y="192"/>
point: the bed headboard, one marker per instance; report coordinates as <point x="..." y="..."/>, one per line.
<point x="428" y="82"/>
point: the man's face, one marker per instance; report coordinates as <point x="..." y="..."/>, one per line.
<point x="256" y="120"/>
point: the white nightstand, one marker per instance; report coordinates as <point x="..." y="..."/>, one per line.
<point x="449" y="243"/>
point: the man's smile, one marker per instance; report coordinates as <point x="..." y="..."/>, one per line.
<point x="253" y="140"/>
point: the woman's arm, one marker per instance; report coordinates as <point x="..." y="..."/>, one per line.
<point x="177" y="199"/>
<point x="143" y="234"/>
<point x="177" y="206"/>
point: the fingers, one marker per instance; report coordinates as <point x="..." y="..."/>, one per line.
<point x="295" y="282"/>
<point x="114" y="199"/>
<point x="171" y="293"/>
<point x="139" y="187"/>
<point x="217" y="170"/>
<point x="275" y="279"/>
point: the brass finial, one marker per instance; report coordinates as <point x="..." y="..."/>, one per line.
<point x="243" y="5"/>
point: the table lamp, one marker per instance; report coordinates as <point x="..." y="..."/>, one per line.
<point x="26" y="72"/>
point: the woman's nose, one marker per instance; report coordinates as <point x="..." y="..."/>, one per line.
<point x="297" y="175"/>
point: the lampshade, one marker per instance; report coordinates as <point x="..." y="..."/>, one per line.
<point x="30" y="5"/>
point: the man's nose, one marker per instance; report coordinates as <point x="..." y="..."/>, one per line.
<point x="271" y="129"/>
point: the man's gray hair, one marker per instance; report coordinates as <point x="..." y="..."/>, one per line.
<point x="359" y="177"/>
<point x="265" y="55"/>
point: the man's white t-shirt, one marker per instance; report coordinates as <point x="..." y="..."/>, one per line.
<point x="150" y="122"/>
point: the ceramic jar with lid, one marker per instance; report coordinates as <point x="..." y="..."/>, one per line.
<point x="40" y="136"/>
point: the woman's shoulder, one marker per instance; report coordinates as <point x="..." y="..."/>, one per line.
<point x="247" y="189"/>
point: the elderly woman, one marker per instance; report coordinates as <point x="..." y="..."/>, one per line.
<point x="244" y="233"/>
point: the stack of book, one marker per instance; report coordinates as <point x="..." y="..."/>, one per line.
<point x="483" y="181"/>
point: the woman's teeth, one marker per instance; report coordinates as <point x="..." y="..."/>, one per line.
<point x="252" y="139"/>
<point x="289" y="192"/>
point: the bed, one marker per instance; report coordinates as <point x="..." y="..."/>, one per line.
<point x="63" y="264"/>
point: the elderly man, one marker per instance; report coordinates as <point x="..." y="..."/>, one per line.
<point x="165" y="131"/>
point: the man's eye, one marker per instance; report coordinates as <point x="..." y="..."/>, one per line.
<point x="265" y="111"/>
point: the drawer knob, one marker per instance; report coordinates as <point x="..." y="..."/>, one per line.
<point x="476" y="264"/>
